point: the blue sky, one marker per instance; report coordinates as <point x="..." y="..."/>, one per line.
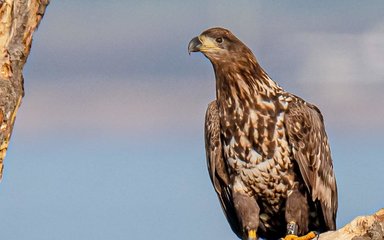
<point x="108" y="142"/>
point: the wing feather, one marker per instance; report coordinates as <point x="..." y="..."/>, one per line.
<point x="217" y="167"/>
<point x="307" y="136"/>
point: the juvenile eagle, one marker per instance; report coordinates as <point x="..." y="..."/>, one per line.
<point x="267" y="151"/>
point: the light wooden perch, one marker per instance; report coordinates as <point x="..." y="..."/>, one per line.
<point x="18" y="21"/>
<point x="361" y="228"/>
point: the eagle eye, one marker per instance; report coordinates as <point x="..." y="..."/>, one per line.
<point x="219" y="40"/>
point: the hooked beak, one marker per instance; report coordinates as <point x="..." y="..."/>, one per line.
<point x="194" y="45"/>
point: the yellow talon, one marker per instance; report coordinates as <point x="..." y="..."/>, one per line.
<point x="252" y="235"/>
<point x="309" y="236"/>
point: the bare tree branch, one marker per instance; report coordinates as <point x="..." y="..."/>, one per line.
<point x="361" y="228"/>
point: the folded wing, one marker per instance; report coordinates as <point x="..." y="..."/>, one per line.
<point x="309" y="142"/>
<point x="217" y="166"/>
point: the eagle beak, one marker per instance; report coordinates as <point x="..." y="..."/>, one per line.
<point x="194" y="45"/>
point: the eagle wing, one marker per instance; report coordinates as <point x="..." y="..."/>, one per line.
<point x="217" y="167"/>
<point x="309" y="142"/>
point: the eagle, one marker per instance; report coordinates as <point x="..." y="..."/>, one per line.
<point x="267" y="151"/>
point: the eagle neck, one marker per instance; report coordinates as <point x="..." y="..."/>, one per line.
<point x="244" y="81"/>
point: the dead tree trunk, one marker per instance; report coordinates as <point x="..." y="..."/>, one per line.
<point x="18" y="20"/>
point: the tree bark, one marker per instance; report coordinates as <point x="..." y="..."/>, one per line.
<point x="361" y="228"/>
<point x="18" y="21"/>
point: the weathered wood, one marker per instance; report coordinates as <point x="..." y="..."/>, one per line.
<point x="18" y="21"/>
<point x="361" y="228"/>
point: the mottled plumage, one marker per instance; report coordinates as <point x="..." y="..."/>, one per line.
<point x="267" y="151"/>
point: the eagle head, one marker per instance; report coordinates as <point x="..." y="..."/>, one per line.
<point x="220" y="46"/>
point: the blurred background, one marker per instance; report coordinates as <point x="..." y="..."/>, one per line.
<point x="108" y="142"/>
